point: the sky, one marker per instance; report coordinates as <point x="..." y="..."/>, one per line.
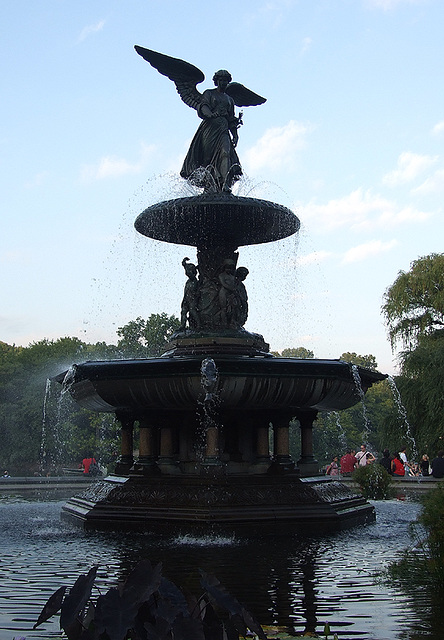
<point x="350" y="138"/>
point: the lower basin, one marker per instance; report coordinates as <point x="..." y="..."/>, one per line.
<point x="244" y="383"/>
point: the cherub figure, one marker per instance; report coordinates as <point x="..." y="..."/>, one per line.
<point x="188" y="309"/>
<point x="241" y="312"/>
<point x="227" y="292"/>
<point x="212" y="150"/>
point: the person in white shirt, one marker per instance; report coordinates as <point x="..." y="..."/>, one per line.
<point x="364" y="457"/>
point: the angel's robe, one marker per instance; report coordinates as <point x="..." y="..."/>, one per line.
<point x="211" y="147"/>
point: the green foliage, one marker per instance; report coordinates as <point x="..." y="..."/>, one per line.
<point x="414" y="303"/>
<point x="146" y="338"/>
<point x="368" y="362"/>
<point x="297" y="352"/>
<point x="427" y="558"/>
<point x="374" y="481"/>
<point x="414" y="312"/>
<point x="421" y="387"/>
<point x="23" y="376"/>
<point x="33" y="418"/>
<point x="432" y="519"/>
<point x="337" y="431"/>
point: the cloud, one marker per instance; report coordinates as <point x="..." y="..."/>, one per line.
<point x="434" y="184"/>
<point x="360" y="211"/>
<point x="88" y="30"/>
<point x="275" y="150"/>
<point x="367" y="250"/>
<point x="410" y="166"/>
<point x="438" y="128"/>
<point x="114" y="167"/>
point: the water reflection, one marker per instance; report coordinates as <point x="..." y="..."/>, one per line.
<point x="301" y="583"/>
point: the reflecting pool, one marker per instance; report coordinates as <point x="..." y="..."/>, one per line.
<point x="289" y="580"/>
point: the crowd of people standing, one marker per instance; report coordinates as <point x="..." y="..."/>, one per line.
<point x="396" y="464"/>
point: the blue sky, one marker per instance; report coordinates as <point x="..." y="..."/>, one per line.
<point x="351" y="138"/>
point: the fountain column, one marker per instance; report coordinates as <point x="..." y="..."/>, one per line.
<point x="262" y="459"/>
<point x="307" y="464"/>
<point x="212" y="445"/>
<point x="282" y="458"/>
<point x="146" y="463"/>
<point x="126" y="459"/>
<point x="167" y="462"/>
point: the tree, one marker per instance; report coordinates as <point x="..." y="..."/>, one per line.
<point x="146" y="338"/>
<point x="421" y="387"/>
<point x="39" y="427"/>
<point x="373" y="421"/>
<point x="295" y="352"/>
<point x="414" y="312"/>
<point x="367" y="362"/>
<point x="414" y="303"/>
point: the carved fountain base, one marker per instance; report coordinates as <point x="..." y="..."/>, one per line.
<point x="245" y="504"/>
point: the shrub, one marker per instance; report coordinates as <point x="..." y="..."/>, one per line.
<point x="374" y="481"/>
<point x="432" y="519"/>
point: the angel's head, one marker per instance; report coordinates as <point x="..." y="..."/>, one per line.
<point x="222" y="74"/>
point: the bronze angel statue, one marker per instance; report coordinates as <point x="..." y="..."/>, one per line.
<point x="212" y="151"/>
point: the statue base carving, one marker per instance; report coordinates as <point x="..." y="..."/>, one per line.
<point x="230" y="342"/>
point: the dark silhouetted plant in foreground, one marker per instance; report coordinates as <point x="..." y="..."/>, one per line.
<point x="374" y="481"/>
<point x="147" y="606"/>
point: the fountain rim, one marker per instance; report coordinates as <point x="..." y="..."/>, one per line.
<point x="221" y="218"/>
<point x="245" y="365"/>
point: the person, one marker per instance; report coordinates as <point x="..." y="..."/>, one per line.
<point x="364" y="457"/>
<point x="213" y="145"/>
<point x="348" y="462"/>
<point x="5" y="474"/>
<point x="333" y="468"/>
<point x="86" y="464"/>
<point x="414" y="470"/>
<point x="386" y="461"/>
<point x="438" y="465"/>
<point x="398" y="468"/>
<point x="403" y="456"/>
<point x="424" y="465"/>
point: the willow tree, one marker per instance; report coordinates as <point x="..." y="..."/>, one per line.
<point x="414" y="303"/>
<point x="414" y="312"/>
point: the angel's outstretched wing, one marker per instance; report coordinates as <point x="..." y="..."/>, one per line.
<point x="242" y="96"/>
<point x="184" y="75"/>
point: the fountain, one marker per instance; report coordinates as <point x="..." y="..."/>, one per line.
<point x="207" y="408"/>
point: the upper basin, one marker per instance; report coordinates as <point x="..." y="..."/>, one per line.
<point x="212" y="219"/>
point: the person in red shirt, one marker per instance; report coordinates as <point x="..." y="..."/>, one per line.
<point x="86" y="463"/>
<point x="398" y="468"/>
<point x="348" y="463"/>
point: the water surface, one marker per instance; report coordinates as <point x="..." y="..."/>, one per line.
<point x="290" y="580"/>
